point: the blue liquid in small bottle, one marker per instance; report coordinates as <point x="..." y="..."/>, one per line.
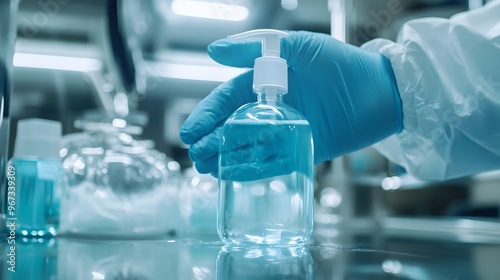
<point x="36" y="196"/>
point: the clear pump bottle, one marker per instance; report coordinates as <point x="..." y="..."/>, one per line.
<point x="266" y="159"/>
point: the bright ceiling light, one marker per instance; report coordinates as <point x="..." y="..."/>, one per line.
<point x="53" y="62"/>
<point x="338" y="19"/>
<point x="209" y="10"/>
<point x="289" y="4"/>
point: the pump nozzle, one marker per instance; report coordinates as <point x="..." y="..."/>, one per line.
<point x="270" y="71"/>
<point x="270" y="39"/>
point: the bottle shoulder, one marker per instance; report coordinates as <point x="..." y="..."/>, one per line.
<point x="33" y="160"/>
<point x="262" y="111"/>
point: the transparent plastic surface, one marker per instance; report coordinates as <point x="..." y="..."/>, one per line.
<point x="266" y="175"/>
<point x="115" y="185"/>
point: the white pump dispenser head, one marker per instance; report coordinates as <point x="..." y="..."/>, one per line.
<point x="270" y="71"/>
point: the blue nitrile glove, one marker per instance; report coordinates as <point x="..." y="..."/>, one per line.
<point x="348" y="95"/>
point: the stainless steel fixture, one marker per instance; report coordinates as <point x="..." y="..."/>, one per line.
<point x="8" y="11"/>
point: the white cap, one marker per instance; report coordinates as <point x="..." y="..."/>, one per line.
<point x="39" y="138"/>
<point x="270" y="71"/>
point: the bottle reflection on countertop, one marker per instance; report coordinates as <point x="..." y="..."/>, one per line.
<point x="197" y="259"/>
<point x="264" y="263"/>
<point x="30" y="259"/>
<point x="84" y="259"/>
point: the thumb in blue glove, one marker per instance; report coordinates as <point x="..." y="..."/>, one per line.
<point x="348" y="95"/>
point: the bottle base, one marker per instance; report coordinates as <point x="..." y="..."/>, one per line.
<point x="276" y="238"/>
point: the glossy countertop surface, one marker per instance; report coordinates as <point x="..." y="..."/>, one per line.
<point x="332" y="254"/>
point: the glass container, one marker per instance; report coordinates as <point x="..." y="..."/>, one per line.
<point x="115" y="185"/>
<point x="266" y="174"/>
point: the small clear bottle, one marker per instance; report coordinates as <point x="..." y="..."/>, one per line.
<point x="266" y="160"/>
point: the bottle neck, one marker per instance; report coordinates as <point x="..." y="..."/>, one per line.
<point x="269" y="96"/>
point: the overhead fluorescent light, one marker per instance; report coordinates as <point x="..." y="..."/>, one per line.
<point x="53" y="62"/>
<point x="289" y="4"/>
<point x="193" y="72"/>
<point x="338" y="12"/>
<point x="209" y="10"/>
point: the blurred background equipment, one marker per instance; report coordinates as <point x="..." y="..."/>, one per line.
<point x="146" y="61"/>
<point x="73" y="56"/>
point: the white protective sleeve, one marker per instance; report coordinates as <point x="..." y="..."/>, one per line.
<point x="448" y="75"/>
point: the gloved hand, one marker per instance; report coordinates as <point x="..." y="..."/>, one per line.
<point x="348" y="95"/>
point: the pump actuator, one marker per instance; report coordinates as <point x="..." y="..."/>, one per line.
<point x="270" y="70"/>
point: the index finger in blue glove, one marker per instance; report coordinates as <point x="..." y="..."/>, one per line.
<point x="207" y="146"/>
<point x="217" y="106"/>
<point x="295" y="49"/>
<point x="236" y="54"/>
